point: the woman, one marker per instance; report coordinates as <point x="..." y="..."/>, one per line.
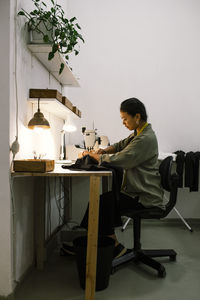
<point x="138" y="156"/>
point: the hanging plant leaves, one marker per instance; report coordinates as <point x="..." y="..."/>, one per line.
<point x="63" y="33"/>
<point x="61" y="68"/>
<point x="51" y="55"/>
<point x="76" y="52"/>
<point x="57" y="32"/>
<point x="78" y="26"/>
<point x="72" y="19"/>
<point x="54" y="48"/>
<point x="46" y="38"/>
<point x="21" y="13"/>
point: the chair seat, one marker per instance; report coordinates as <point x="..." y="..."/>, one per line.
<point x="146" y="213"/>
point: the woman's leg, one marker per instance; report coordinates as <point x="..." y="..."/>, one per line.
<point x="110" y="212"/>
<point x="126" y="202"/>
<point x="106" y="214"/>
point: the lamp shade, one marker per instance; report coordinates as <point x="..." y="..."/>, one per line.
<point x="38" y="120"/>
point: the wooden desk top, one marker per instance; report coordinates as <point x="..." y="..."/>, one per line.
<point x="60" y="172"/>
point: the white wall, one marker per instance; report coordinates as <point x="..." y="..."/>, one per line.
<point x="31" y="74"/>
<point x="5" y="205"/>
<point x="14" y="93"/>
<point x="144" y="49"/>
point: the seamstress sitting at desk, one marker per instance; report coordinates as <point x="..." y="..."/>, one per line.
<point x="138" y="156"/>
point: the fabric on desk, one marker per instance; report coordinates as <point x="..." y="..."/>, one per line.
<point x="180" y="160"/>
<point x="86" y="163"/>
<point x="192" y="170"/>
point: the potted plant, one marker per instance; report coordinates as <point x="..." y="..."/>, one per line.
<point x="54" y="28"/>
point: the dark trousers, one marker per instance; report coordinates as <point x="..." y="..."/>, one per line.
<point x="110" y="212"/>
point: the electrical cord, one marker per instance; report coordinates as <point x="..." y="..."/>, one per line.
<point x="58" y="204"/>
<point x="14" y="149"/>
<point x="49" y="208"/>
<point x="66" y="194"/>
<point x="70" y="225"/>
<point x="15" y="145"/>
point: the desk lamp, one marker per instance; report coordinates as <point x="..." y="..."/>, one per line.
<point x="38" y="120"/>
<point x="67" y="127"/>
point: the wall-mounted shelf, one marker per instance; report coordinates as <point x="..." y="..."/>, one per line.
<point x="41" y="51"/>
<point x="53" y="106"/>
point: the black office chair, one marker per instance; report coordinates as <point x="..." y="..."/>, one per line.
<point x="169" y="182"/>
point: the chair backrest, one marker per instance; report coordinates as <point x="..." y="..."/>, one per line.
<point x="169" y="182"/>
<point x="165" y="173"/>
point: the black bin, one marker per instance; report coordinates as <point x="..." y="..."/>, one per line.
<point x="104" y="260"/>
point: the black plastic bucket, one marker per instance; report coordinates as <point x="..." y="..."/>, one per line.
<point x="104" y="260"/>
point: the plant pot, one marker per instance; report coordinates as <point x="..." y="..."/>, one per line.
<point x="37" y="37"/>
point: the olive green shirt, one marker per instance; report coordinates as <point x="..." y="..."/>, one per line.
<point x="138" y="156"/>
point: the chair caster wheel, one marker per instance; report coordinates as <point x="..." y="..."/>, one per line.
<point x="162" y="273"/>
<point x="172" y="258"/>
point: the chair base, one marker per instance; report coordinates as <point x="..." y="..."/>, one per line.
<point x="145" y="256"/>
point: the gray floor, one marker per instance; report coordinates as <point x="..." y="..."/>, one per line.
<point x="59" y="280"/>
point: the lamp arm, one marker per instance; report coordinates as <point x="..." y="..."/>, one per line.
<point x="38" y="104"/>
<point x="62" y="145"/>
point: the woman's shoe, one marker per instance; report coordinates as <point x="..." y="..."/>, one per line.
<point x="120" y="250"/>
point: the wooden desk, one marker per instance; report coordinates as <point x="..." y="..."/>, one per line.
<point x="95" y="177"/>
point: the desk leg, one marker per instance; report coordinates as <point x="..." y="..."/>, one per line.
<point x="39" y="221"/>
<point x="92" y="237"/>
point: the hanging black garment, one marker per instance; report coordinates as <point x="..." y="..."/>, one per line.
<point x="180" y="159"/>
<point x="188" y="169"/>
<point x="88" y="163"/>
<point x="196" y="158"/>
<point x="192" y="170"/>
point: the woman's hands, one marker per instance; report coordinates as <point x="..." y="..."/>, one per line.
<point x="92" y="153"/>
<point x="100" y="151"/>
<point x="96" y="154"/>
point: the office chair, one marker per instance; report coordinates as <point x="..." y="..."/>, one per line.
<point x="169" y="182"/>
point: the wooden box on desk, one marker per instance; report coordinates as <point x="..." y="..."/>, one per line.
<point x="34" y="165"/>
